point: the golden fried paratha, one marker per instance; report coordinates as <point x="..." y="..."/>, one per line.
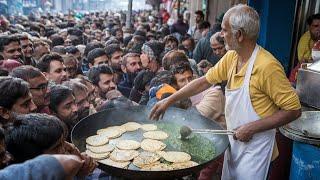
<point x="128" y="144"/>
<point x="123" y="155"/>
<point x="97" y="156"/>
<point x="183" y="165"/>
<point x="152" y="145"/>
<point x="157" y="135"/>
<point x="157" y="167"/>
<point x="101" y="149"/>
<point x="175" y="156"/>
<point x="131" y="126"/>
<point x="97" y="140"/>
<point x="110" y="162"/>
<point x="145" y="158"/>
<point x="148" y="127"/>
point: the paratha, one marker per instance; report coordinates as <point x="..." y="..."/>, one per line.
<point x="97" y="156"/>
<point x="157" y="167"/>
<point x="128" y="144"/>
<point x="152" y="145"/>
<point x="110" y="162"/>
<point x="183" y="165"/>
<point x="131" y="126"/>
<point x="175" y="156"/>
<point x="123" y="155"/>
<point x="100" y="149"/>
<point x="119" y="128"/>
<point x="157" y="135"/>
<point x="148" y="127"/>
<point x="97" y="140"/>
<point x="145" y="158"/>
<point x="111" y="133"/>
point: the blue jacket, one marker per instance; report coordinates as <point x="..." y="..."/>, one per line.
<point x="42" y="167"/>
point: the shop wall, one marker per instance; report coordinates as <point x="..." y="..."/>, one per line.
<point x="276" y="27"/>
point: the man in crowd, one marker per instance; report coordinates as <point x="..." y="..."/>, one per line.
<point x="27" y="49"/>
<point x="53" y="68"/>
<point x="217" y="44"/>
<point x="203" y="49"/>
<point x="10" y="48"/>
<point x="308" y="39"/>
<point x="38" y="85"/>
<point x="114" y="53"/>
<point x="204" y="28"/>
<point x="170" y="43"/>
<point x="102" y="78"/>
<point x="80" y="92"/>
<point x="179" y="27"/>
<point x="39" y="134"/>
<point x="63" y="106"/>
<point x="182" y="73"/>
<point x="189" y="44"/>
<point x="15" y="98"/>
<point x="97" y="56"/>
<point x="131" y="65"/>
<point x="194" y="30"/>
<point x="40" y="48"/>
<point x="151" y="52"/>
<point x="71" y="64"/>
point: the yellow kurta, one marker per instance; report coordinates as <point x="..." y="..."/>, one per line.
<point x="305" y="47"/>
<point x="270" y="89"/>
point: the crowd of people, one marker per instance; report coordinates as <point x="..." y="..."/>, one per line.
<point x="57" y="69"/>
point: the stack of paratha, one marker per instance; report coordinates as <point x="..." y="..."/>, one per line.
<point x="148" y="155"/>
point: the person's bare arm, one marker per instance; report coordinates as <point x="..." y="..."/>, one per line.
<point x="278" y="119"/>
<point x="191" y="89"/>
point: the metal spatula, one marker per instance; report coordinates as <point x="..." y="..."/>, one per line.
<point x="185" y="131"/>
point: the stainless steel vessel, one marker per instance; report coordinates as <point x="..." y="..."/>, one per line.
<point x="305" y="129"/>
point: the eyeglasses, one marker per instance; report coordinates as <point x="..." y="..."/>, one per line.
<point x="41" y="87"/>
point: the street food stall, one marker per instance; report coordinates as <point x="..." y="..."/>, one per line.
<point x="305" y="131"/>
<point x="203" y="149"/>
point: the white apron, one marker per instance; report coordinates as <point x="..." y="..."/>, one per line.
<point x="246" y="160"/>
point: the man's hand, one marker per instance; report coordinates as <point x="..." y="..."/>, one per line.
<point x="243" y="133"/>
<point x="88" y="166"/>
<point x="70" y="163"/>
<point x="194" y="87"/>
<point x="72" y="149"/>
<point x="158" y="110"/>
<point x="88" y="163"/>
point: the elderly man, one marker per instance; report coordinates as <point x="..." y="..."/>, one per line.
<point x="259" y="97"/>
<point x="150" y="55"/>
<point x="217" y="44"/>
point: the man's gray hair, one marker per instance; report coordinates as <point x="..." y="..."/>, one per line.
<point x="217" y="37"/>
<point x="244" y="18"/>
